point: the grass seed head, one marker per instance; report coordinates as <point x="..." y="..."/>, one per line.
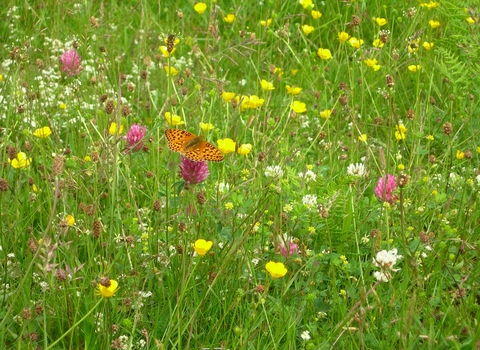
<point x="57" y="165"/>
<point x="447" y="129"/>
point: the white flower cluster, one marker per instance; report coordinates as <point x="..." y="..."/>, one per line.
<point x="308" y="176"/>
<point x="309" y="200"/>
<point x="274" y="171"/>
<point x="385" y="260"/>
<point x="305" y="335"/>
<point x="478" y="180"/>
<point x="222" y="187"/>
<point x="356" y="170"/>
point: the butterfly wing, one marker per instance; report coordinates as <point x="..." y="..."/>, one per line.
<point x="176" y="139"/>
<point x="210" y="152"/>
<point x="205" y="151"/>
<point x="195" y="155"/>
<point x="174" y="135"/>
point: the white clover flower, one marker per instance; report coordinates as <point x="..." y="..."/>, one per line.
<point x="308" y="176"/>
<point x="356" y="170"/>
<point x="385" y="261"/>
<point x="305" y="335"/>
<point x="309" y="200"/>
<point x="222" y="187"/>
<point x="381" y="276"/>
<point x="321" y="314"/>
<point x="478" y="180"/>
<point x="274" y="171"/>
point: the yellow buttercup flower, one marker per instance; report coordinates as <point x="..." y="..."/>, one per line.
<point x="87" y="159"/>
<point x="342" y="36"/>
<point x="430" y="5"/>
<point x="1" y="78"/>
<point x="381" y="21"/>
<point x="228" y="96"/>
<point x="20" y="161"/>
<point x="401" y="166"/>
<point x="316" y="14"/>
<point x="200" y="7"/>
<point x="43" y="133"/>
<point x="294" y="71"/>
<point x="400" y="133"/>
<point x="469" y="20"/>
<point x="370" y="62"/>
<point x="356" y="43"/>
<point x="267" y="85"/>
<point x="378" y="43"/>
<point x="107" y="292"/>
<point x="279" y="71"/>
<point x="298" y="107"/>
<point x="63" y="106"/>
<point x="245" y="101"/>
<point x="325" y="114"/>
<point x="255" y="102"/>
<point x="173" y="119"/>
<point x="266" y="23"/>
<point x="460" y="155"/>
<point x="113" y="129"/>
<point x="414" y="68"/>
<point x="201" y="246"/>
<point x="363" y="137"/>
<point x="170" y="70"/>
<point x="244" y="149"/>
<point x="306" y="3"/>
<point x="69" y="219"/>
<point x="376" y="67"/>
<point x="433" y="23"/>
<point x="230" y="18"/>
<point x="307" y="29"/>
<point x="226" y="146"/>
<point x="276" y="270"/>
<point x="165" y="52"/>
<point x="324" y="54"/>
<point x="427" y="45"/>
<point x="293" y="90"/>
<point x="206" y="126"/>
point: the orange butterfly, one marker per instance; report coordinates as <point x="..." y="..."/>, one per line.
<point x="191" y="146"/>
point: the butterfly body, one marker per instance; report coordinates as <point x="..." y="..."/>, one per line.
<point x="191" y="146"/>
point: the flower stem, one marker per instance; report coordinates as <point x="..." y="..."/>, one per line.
<point x="75" y="325"/>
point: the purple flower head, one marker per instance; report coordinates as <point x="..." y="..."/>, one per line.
<point x="293" y="249"/>
<point x="71" y="62"/>
<point x="388" y="188"/>
<point x="135" y="137"/>
<point x="193" y="172"/>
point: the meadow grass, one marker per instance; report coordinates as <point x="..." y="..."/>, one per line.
<point x="345" y="214"/>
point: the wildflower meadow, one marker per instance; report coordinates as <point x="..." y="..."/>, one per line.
<point x="296" y="174"/>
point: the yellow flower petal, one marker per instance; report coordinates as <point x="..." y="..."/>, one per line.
<point x="201" y="246"/>
<point x="42" y="133"/>
<point x="200" y="7"/>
